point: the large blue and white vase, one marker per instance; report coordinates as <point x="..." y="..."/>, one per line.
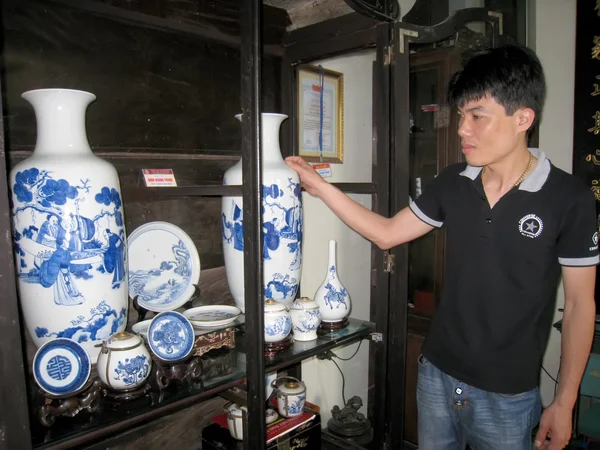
<point x="282" y="222"/>
<point x="68" y="229"/>
<point x="332" y="297"/>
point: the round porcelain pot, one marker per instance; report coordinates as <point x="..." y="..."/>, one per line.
<point x="235" y="419"/>
<point x="282" y="222"/>
<point x="124" y="362"/>
<point x="332" y="297"/>
<point x="277" y="322"/>
<point x="69" y="230"/>
<point x="291" y="396"/>
<point x="306" y="318"/>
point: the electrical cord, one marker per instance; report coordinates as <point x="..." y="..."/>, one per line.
<point x="353" y="355"/>
<point x="330" y="355"/>
<point x="343" y="381"/>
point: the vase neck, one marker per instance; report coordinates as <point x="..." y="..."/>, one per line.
<point x="60" y="117"/>
<point x="271" y="123"/>
<point x="332" y="248"/>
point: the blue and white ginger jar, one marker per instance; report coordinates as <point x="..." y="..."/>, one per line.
<point x="124" y="363"/>
<point x="306" y="319"/>
<point x="278" y="322"/>
<point x="282" y="222"/>
<point x="68" y="229"/>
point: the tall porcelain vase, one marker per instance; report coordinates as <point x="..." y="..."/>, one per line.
<point x="332" y="297"/>
<point x="68" y="229"/>
<point x="282" y="222"/>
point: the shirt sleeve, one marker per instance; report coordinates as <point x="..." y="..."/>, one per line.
<point x="577" y="243"/>
<point x="429" y="207"/>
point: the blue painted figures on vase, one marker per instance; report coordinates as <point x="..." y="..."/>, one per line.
<point x="282" y="223"/>
<point x="332" y="297"/>
<point x="68" y="228"/>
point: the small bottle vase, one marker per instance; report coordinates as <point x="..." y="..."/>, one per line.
<point x="332" y="297"/>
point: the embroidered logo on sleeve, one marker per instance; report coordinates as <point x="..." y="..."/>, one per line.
<point x="531" y="226"/>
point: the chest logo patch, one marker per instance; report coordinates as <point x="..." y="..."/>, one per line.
<point x="531" y="226"/>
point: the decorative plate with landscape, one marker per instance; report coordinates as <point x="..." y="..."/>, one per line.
<point x="164" y="266"/>
<point x="212" y="315"/>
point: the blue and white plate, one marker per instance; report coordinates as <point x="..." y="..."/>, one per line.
<point x="212" y="315"/>
<point x="61" y="367"/>
<point x="164" y="266"/>
<point x="171" y="336"/>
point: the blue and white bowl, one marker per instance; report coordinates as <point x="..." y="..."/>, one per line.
<point x="61" y="367"/>
<point x="171" y="336"/>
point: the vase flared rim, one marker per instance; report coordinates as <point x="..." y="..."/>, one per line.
<point x="270" y="114"/>
<point x="58" y="90"/>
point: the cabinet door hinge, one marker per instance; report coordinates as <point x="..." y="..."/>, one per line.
<point x="388" y="262"/>
<point x="387" y="58"/>
<point x="376" y="337"/>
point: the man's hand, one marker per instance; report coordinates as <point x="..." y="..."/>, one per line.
<point x="311" y="180"/>
<point x="556" y="425"/>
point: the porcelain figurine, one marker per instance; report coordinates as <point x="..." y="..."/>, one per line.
<point x="291" y="396"/>
<point x="306" y="318"/>
<point x="68" y="229"/>
<point x="124" y="362"/>
<point x="282" y="222"/>
<point x="277" y="322"/>
<point x="332" y="297"/>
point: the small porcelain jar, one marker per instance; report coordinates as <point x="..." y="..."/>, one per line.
<point x="291" y="396"/>
<point x="235" y="419"/>
<point x="306" y="318"/>
<point x="278" y="323"/>
<point x="124" y="362"/>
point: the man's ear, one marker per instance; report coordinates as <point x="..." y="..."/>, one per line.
<point x="524" y="118"/>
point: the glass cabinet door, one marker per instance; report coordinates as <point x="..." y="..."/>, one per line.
<point x="433" y="145"/>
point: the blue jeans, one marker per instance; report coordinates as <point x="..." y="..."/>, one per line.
<point x="453" y="414"/>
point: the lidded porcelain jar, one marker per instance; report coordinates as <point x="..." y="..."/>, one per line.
<point x="306" y="318"/>
<point x="278" y="322"/>
<point x="291" y="396"/>
<point x="124" y="362"/>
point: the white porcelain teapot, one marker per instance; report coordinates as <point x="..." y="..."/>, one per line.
<point x="124" y="362"/>
<point x="291" y="396"/>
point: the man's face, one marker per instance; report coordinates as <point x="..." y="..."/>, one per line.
<point x="487" y="134"/>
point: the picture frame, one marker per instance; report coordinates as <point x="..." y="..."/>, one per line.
<point x="308" y="93"/>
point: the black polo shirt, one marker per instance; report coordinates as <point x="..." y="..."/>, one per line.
<point x="502" y="268"/>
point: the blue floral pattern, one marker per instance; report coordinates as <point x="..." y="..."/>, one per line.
<point x="309" y="321"/>
<point x="295" y="407"/>
<point x="132" y="371"/>
<point x="279" y="327"/>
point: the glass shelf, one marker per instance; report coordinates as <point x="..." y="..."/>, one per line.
<point x="223" y="369"/>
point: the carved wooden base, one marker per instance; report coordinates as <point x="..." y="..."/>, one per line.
<point x="88" y="398"/>
<point x="123" y="396"/>
<point x="271" y="348"/>
<point x="214" y="340"/>
<point x="165" y="374"/>
<point x="329" y="327"/>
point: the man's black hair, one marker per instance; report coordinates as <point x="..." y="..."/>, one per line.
<point x="511" y="74"/>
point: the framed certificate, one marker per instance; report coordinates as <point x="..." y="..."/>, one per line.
<point x="320" y="114"/>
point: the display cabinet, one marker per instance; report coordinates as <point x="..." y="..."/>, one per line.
<point x="169" y="78"/>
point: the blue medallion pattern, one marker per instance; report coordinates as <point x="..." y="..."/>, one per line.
<point x="58" y="247"/>
<point x="132" y="371"/>
<point x="295" y="407"/>
<point x="102" y="322"/>
<point x="59" y="367"/>
<point x="280" y="326"/>
<point x="171" y="336"/>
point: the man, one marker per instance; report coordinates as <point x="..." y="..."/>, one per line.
<point x="514" y="223"/>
